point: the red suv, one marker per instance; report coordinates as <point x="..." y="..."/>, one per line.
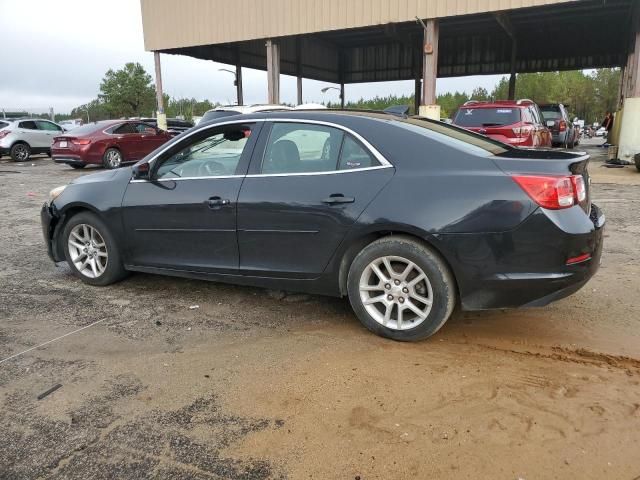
<point x="518" y="123"/>
<point x="109" y="143"/>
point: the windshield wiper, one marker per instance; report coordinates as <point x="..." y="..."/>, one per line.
<point x="490" y="124"/>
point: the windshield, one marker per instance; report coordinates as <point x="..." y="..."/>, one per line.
<point x="551" y="113"/>
<point x="487" y="117"/>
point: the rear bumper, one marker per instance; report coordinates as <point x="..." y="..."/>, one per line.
<point x="560" y="138"/>
<point x="69" y="159"/>
<point x="527" y="267"/>
<point x="4" y="151"/>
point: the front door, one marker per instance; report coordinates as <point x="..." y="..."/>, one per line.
<point x="184" y="218"/>
<point x="309" y="184"/>
<point x="128" y="141"/>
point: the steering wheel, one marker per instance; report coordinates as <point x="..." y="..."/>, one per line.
<point x="211" y="169"/>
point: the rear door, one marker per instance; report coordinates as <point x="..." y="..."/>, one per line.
<point x="308" y="184"/>
<point x="36" y="138"/>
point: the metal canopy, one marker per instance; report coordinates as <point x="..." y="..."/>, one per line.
<point x="564" y="36"/>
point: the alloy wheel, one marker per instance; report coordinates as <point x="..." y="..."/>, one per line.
<point x="114" y="158"/>
<point x="396" y="292"/>
<point x="88" y="250"/>
<point x="21" y="152"/>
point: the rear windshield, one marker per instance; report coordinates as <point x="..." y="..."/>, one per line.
<point x="455" y="136"/>
<point x="216" y="114"/>
<point x="89" y="128"/>
<point x="551" y="113"/>
<point x="487" y="117"/>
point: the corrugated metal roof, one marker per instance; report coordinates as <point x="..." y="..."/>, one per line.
<point x="170" y="24"/>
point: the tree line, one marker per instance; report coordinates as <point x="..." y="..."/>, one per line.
<point x="588" y="96"/>
<point x="130" y="92"/>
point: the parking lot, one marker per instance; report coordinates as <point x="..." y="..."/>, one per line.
<point x="190" y="379"/>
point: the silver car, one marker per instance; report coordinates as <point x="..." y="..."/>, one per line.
<point x="22" y="138"/>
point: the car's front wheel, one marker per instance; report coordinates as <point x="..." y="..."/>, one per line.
<point x="400" y="289"/>
<point x="20" y="152"/>
<point x="112" y="158"/>
<point x="91" y="250"/>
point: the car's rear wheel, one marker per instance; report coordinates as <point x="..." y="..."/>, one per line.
<point x="112" y="158"/>
<point x="400" y="289"/>
<point x="91" y="250"/>
<point x="20" y="152"/>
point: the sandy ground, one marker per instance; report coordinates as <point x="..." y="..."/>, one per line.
<point x="256" y="384"/>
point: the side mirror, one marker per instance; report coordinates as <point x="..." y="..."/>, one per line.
<point x="141" y="171"/>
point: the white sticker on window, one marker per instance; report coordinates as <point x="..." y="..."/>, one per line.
<point x="469" y="111"/>
<point x="504" y="110"/>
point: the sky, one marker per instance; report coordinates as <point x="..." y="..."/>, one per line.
<point x="54" y="53"/>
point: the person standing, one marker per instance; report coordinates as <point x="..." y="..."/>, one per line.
<point x="607" y="123"/>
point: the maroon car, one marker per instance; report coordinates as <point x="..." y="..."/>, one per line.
<point x="109" y="143"/>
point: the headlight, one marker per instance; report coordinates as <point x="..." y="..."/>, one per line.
<point x="53" y="194"/>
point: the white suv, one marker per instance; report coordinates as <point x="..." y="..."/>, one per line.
<point x="21" y="138"/>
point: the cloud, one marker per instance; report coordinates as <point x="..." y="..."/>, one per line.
<point x="54" y="54"/>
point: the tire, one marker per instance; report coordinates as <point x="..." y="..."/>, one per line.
<point x="105" y="270"/>
<point x="636" y="160"/>
<point x="112" y="158"/>
<point x="76" y="166"/>
<point x="400" y="252"/>
<point x="20" y="152"/>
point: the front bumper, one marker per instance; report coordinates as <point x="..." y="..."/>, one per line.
<point x="49" y="221"/>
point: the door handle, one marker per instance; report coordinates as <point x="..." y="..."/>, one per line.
<point x="338" y="198"/>
<point x="216" y="203"/>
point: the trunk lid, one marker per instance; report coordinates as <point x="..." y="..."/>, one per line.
<point x="523" y="161"/>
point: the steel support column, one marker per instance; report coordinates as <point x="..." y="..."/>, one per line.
<point x="161" y="117"/>
<point x="273" y="72"/>
<point x="239" y="93"/>
<point x="512" y="77"/>
<point x="299" y="70"/>
<point x="428" y="107"/>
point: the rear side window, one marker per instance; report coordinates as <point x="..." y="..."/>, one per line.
<point x="28" y="125"/>
<point x="125" y="128"/>
<point x="307" y="148"/>
<point x="3" y="124"/>
<point x="487" y="117"/>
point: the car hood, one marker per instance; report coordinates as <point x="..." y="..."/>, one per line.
<point x="103" y="176"/>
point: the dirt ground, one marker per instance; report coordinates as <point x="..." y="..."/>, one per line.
<point x="255" y="384"/>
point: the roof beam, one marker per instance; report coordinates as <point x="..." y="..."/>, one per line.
<point x="505" y="22"/>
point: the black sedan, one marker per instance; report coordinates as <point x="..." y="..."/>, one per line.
<point x="407" y="217"/>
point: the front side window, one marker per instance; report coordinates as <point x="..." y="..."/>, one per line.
<point x="144" y="128"/>
<point x="307" y="148"/>
<point x="216" y="155"/>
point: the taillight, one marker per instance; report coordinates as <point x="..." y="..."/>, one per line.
<point x="562" y="125"/>
<point x="4" y="133"/>
<point x="554" y="193"/>
<point x="81" y="141"/>
<point x="579" y="188"/>
<point x="523" y="131"/>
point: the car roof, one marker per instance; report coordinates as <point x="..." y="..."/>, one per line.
<point x="498" y="103"/>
